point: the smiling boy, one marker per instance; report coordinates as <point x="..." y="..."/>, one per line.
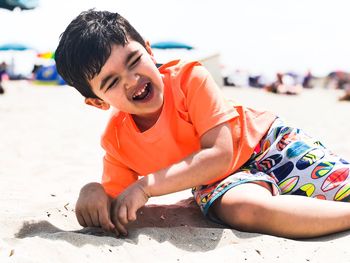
<point x="172" y="129"/>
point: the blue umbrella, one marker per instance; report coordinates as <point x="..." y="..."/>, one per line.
<point x="22" y="4"/>
<point x="171" y="45"/>
<point x="13" y="46"/>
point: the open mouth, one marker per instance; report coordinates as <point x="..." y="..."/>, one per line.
<point x="143" y="93"/>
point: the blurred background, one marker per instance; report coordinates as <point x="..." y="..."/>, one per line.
<point x="237" y="38"/>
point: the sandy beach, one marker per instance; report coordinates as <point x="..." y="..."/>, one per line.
<point x="49" y="148"/>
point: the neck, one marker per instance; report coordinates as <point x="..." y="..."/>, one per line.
<point x="145" y="122"/>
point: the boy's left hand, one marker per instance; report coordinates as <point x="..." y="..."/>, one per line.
<point x="125" y="206"/>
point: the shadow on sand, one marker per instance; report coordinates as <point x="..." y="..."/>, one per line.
<point x="181" y="224"/>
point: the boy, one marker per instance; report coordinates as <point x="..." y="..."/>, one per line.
<point x="172" y="130"/>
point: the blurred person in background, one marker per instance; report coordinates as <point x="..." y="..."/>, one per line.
<point x="3" y="68"/>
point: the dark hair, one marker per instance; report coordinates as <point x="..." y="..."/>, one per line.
<point x="85" y="46"/>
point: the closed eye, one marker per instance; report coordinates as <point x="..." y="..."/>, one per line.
<point x="114" y="81"/>
<point x="134" y="62"/>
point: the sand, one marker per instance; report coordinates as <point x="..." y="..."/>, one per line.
<point x="49" y="148"/>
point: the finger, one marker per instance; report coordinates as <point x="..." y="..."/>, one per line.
<point x="105" y="220"/>
<point x="119" y="227"/>
<point x="122" y="215"/>
<point x="132" y="214"/>
<point x="87" y="219"/>
<point x="94" y="218"/>
<point x="80" y="219"/>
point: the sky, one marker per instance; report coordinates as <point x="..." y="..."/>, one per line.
<point x="262" y="36"/>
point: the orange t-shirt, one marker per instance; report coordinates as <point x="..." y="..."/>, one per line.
<point x="193" y="104"/>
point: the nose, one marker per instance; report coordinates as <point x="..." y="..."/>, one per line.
<point x="131" y="80"/>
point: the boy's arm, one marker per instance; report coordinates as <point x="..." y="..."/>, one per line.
<point x="213" y="160"/>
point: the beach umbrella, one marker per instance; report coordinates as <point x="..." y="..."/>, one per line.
<point x="171" y="45"/>
<point x="14" y="53"/>
<point x="13" y="46"/>
<point x="21" y="4"/>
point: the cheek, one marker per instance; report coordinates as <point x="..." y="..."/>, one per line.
<point x="117" y="98"/>
<point x="153" y="72"/>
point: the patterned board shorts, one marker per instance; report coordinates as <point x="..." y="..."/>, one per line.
<point x="292" y="162"/>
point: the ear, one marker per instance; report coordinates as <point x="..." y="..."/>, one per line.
<point x="149" y="50"/>
<point x="98" y="103"/>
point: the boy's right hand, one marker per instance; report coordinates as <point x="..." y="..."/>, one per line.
<point x="93" y="207"/>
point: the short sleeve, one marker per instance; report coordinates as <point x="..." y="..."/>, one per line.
<point x="205" y="102"/>
<point x="116" y="176"/>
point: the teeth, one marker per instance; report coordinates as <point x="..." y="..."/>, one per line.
<point x="139" y="93"/>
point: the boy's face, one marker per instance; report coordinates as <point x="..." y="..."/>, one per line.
<point x="129" y="81"/>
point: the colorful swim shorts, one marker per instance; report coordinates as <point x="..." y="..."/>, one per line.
<point x="292" y="162"/>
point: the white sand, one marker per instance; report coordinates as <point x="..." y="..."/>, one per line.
<point x="49" y="148"/>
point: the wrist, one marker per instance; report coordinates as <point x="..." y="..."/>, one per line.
<point x="144" y="186"/>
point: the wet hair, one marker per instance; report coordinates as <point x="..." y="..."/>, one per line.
<point x="86" y="44"/>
